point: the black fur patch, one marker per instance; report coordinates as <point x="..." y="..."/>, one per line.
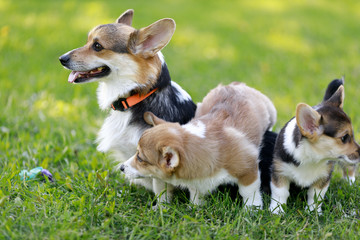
<point x="266" y="160"/>
<point x="164" y="103"/>
<point x="297" y="136"/>
<point x="280" y="151"/>
<point x="334" y="119"/>
<point x="332" y="87"/>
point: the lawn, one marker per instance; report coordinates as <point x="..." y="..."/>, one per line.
<point x="288" y="50"/>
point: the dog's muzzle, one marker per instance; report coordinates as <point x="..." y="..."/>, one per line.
<point x="122" y="167"/>
<point x="64" y="59"/>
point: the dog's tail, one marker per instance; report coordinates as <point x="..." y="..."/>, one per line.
<point x="332" y="87"/>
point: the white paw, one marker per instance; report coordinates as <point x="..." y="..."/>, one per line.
<point x="155" y="207"/>
<point x="276" y="209"/>
<point x="350" y="179"/>
<point x="314" y="207"/>
<point x="159" y="206"/>
<point x="257" y="205"/>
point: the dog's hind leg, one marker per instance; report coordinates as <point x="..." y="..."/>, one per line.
<point x="251" y="193"/>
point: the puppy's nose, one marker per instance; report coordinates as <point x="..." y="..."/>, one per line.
<point x="122" y="167"/>
<point x="64" y="59"/>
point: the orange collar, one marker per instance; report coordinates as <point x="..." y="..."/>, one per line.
<point x="123" y="104"/>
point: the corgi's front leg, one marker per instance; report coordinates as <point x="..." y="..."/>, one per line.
<point x="349" y="172"/>
<point x="196" y="197"/>
<point x="317" y="192"/>
<point x="163" y="192"/>
<point x="145" y="182"/>
<point x="279" y="193"/>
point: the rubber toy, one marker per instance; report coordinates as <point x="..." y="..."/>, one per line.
<point x="36" y="173"/>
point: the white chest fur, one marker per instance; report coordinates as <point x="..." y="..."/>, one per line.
<point x="117" y="136"/>
<point x="306" y="174"/>
<point x="313" y="164"/>
<point x="205" y="185"/>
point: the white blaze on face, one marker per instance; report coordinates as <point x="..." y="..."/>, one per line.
<point x="129" y="171"/>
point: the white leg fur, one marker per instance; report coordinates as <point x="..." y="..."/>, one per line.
<point x="195" y="196"/>
<point x="251" y="194"/>
<point x="163" y="192"/>
<point x="320" y="193"/>
<point x="350" y="179"/>
<point x="279" y="196"/>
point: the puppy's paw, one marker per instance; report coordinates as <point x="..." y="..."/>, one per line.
<point x="251" y="208"/>
<point x="276" y="209"/>
<point x="314" y="208"/>
<point x="155" y="207"/>
<point x="350" y="179"/>
<point x="159" y="207"/>
<point x="191" y="206"/>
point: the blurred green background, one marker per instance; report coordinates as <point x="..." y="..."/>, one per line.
<point x="289" y="50"/>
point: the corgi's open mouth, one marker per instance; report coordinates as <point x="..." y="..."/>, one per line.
<point x="82" y="77"/>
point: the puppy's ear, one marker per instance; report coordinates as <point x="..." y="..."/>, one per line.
<point x="126" y="17"/>
<point x="147" y="41"/>
<point x="170" y="158"/>
<point x="337" y="99"/>
<point x="333" y="87"/>
<point x="151" y="119"/>
<point x="308" y="121"/>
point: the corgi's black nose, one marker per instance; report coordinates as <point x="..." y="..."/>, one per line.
<point x="122" y="167"/>
<point x="64" y="59"/>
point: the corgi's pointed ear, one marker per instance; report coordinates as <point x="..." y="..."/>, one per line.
<point x="337" y="99"/>
<point x="151" y="119"/>
<point x="333" y="87"/>
<point x="308" y="121"/>
<point x="147" y="41"/>
<point x="126" y="17"/>
<point x="170" y="158"/>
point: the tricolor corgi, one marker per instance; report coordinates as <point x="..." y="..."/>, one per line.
<point x="220" y="145"/>
<point x="307" y="148"/>
<point x="133" y="78"/>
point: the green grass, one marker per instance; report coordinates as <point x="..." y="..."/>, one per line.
<point x="289" y="51"/>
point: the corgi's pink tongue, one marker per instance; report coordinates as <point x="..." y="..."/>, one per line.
<point x="74" y="75"/>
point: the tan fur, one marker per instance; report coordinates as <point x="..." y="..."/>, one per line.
<point x="147" y="67"/>
<point x="105" y="36"/>
<point x="276" y="177"/>
<point x="235" y="116"/>
<point x="139" y="47"/>
<point x="243" y="105"/>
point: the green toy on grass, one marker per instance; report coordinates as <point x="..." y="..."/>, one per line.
<point x="36" y="173"/>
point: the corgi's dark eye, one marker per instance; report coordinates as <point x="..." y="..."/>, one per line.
<point x="139" y="159"/>
<point x="97" y="47"/>
<point x="346" y="138"/>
